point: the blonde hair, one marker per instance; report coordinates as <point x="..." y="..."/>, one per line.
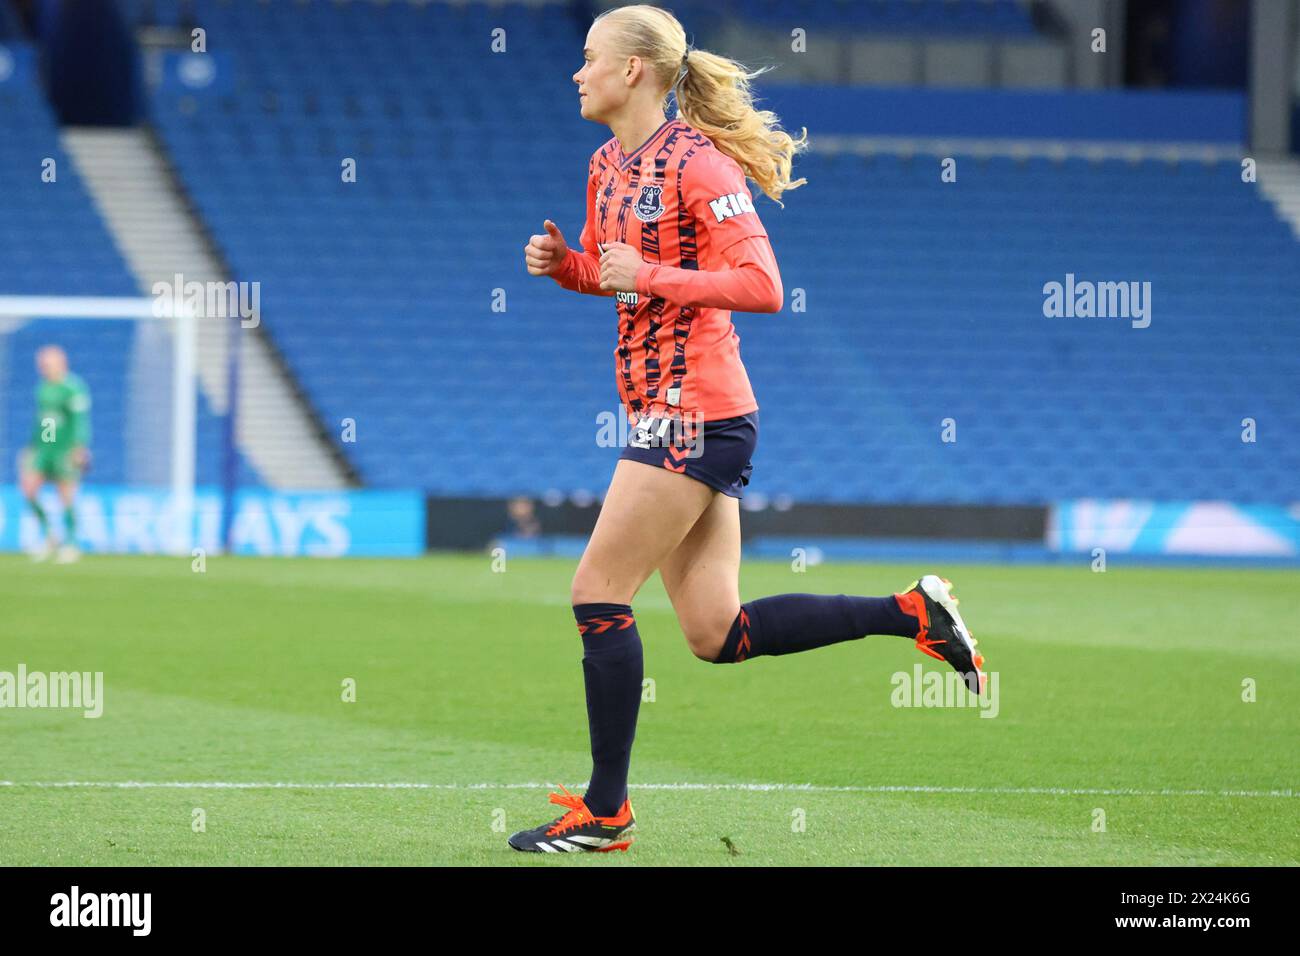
<point x="713" y="95"/>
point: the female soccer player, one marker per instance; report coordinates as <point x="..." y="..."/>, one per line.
<point x="679" y="246"/>
<point x="59" y="450"/>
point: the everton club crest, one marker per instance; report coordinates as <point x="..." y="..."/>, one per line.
<point x="650" y="205"/>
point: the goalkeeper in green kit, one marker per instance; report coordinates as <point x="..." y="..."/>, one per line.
<point x="59" y="449"/>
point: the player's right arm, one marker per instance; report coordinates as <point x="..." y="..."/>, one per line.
<point x="79" y="419"/>
<point x="574" y="269"/>
<point x="38" y="427"/>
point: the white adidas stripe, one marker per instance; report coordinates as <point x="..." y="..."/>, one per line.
<point x="590" y="840"/>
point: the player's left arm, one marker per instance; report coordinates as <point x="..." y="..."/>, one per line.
<point x="79" y="421"/>
<point x="750" y="283"/>
<point x="719" y="200"/>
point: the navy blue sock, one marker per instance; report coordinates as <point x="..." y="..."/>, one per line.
<point x="612" y="667"/>
<point x="790" y="623"/>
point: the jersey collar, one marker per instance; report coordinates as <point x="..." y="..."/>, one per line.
<point x="631" y="157"/>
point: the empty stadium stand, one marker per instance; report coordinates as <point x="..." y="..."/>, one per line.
<point x="922" y="301"/>
<point x="55" y="243"/>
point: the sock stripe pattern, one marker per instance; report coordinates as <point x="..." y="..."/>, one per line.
<point x="612" y="668"/>
<point x="743" y="646"/>
<point x="791" y="623"/>
<point x="599" y="625"/>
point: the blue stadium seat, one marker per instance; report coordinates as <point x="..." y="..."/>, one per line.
<point x="928" y="305"/>
<point x="54" y="243"/>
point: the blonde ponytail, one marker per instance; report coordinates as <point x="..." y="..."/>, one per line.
<point x="713" y="95"/>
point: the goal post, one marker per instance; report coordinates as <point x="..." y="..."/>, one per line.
<point x="149" y="373"/>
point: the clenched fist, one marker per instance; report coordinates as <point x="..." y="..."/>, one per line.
<point x="543" y="254"/>
<point x="619" y="264"/>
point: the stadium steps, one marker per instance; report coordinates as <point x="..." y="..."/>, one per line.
<point x="131" y="184"/>
<point x="1279" y="181"/>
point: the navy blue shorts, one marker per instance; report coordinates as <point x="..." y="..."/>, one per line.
<point x="717" y="453"/>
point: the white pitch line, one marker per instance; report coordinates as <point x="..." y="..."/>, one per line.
<point x="752" y="787"/>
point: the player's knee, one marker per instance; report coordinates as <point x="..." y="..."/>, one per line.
<point x="579" y="587"/>
<point x="704" y="636"/>
<point x="590" y="586"/>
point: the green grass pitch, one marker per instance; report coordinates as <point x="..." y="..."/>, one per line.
<point x="1120" y="693"/>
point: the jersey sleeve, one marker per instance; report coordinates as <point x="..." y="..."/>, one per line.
<point x="580" y="270"/>
<point x="751" y="281"/>
<point x="79" y="414"/>
<point x="743" y="273"/>
<point x="717" y="196"/>
<point x="37" y="427"/>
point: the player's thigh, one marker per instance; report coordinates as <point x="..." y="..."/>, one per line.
<point x="646" y="513"/>
<point x="702" y="577"/>
<point x="30" y="478"/>
<point x="31" y="482"/>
